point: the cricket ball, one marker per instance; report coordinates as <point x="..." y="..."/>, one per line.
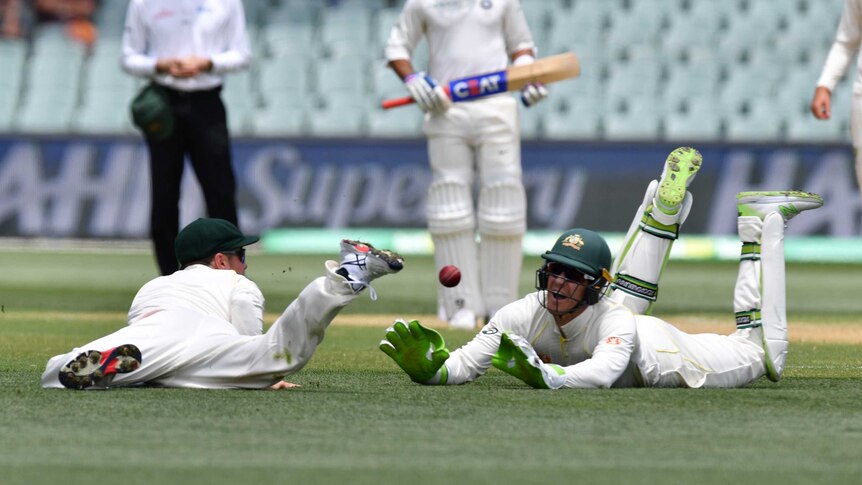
<point x="449" y="276"/>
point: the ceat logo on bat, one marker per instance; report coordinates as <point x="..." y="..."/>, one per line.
<point x="478" y="86"/>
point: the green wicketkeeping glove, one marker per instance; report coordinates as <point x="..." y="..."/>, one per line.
<point x="518" y="358"/>
<point x="420" y="351"/>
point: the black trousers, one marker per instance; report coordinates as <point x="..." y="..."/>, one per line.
<point x="200" y="131"/>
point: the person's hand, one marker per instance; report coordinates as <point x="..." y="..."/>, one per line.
<point x="821" y="105"/>
<point x="283" y="385"/>
<point x="532" y="93"/>
<point x="418" y="350"/>
<point x="517" y="357"/>
<point x="167" y="65"/>
<point x="427" y="93"/>
<point x="192" y="66"/>
<point x="183" y="67"/>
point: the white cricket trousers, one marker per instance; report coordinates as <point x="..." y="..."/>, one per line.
<point x="184" y="348"/>
<point x="669" y="357"/>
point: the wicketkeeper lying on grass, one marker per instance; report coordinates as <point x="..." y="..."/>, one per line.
<point x="202" y="325"/>
<point x="584" y="328"/>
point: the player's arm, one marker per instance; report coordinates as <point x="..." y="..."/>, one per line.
<point x="246" y="308"/>
<point x="134" y="59"/>
<point x="405" y="35"/>
<point x="843" y="50"/>
<point x="237" y="54"/>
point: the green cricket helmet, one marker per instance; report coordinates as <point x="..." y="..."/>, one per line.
<point x="587" y="253"/>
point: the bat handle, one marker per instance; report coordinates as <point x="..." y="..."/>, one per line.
<point x="395" y="102"/>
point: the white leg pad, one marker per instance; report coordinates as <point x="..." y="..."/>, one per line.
<point x="451" y="222"/>
<point x="641" y="259"/>
<point x="502" y="224"/>
<point x="774" y="309"/>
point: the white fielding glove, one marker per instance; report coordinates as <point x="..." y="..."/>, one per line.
<point x="533" y="93"/>
<point x="427" y="93"/>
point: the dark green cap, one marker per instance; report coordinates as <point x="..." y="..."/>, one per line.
<point x="151" y="112"/>
<point x="206" y="237"/>
<point x="582" y="249"/>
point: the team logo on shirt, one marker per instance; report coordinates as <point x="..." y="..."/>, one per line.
<point x="486" y="4"/>
<point x="574" y="241"/>
<point x="613" y="340"/>
<point x="490" y="329"/>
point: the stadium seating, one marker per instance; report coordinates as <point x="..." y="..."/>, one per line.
<point x="712" y="70"/>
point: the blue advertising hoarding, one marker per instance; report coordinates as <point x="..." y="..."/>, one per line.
<point x="99" y="187"/>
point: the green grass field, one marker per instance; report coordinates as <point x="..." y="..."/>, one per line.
<point x="358" y="419"/>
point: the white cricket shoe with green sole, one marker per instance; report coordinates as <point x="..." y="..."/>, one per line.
<point x="679" y="170"/>
<point x="788" y="203"/>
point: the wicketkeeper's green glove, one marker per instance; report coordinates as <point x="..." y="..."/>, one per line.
<point x="420" y="351"/>
<point x="518" y="358"/>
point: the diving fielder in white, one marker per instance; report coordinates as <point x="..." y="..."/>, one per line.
<point x="568" y="335"/>
<point x="466" y="38"/>
<point x="844" y="51"/>
<point x="200" y="327"/>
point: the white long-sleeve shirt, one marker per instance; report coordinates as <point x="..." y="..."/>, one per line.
<point x="609" y="346"/>
<point x="465" y="37"/>
<point x="221" y="293"/>
<point x="844" y="49"/>
<point x="595" y="348"/>
<point x="213" y="29"/>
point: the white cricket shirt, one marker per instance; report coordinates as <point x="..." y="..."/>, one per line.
<point x="158" y="29"/>
<point x="218" y="292"/>
<point x="595" y="348"/>
<point x="465" y="37"/>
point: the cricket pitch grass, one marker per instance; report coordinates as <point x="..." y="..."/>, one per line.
<point x="358" y="419"/>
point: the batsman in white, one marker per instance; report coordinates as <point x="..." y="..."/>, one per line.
<point x="466" y="38"/>
<point x="201" y="327"/>
<point x="844" y="51"/>
<point x="584" y="328"/>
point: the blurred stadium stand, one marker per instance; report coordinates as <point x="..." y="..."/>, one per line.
<point x="702" y="70"/>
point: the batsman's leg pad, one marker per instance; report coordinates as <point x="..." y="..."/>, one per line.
<point x="503" y="208"/>
<point x="502" y="224"/>
<point x="451" y="222"/>
<point x="449" y="207"/>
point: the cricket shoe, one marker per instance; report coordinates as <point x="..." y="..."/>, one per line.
<point x="679" y="170"/>
<point x="788" y="203"/>
<point x="97" y="369"/>
<point x="361" y="263"/>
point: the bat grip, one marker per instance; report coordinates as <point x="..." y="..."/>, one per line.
<point x="396" y="102"/>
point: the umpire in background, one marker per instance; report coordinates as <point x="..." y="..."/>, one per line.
<point x="185" y="47"/>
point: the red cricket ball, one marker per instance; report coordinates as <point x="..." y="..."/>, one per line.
<point x="449" y="276"/>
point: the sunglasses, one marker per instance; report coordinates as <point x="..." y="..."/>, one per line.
<point x="240" y="253"/>
<point x="568" y="273"/>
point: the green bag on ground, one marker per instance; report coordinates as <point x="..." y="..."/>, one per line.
<point x="151" y="112"/>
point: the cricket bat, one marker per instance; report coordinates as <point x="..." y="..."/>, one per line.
<point x="546" y="70"/>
